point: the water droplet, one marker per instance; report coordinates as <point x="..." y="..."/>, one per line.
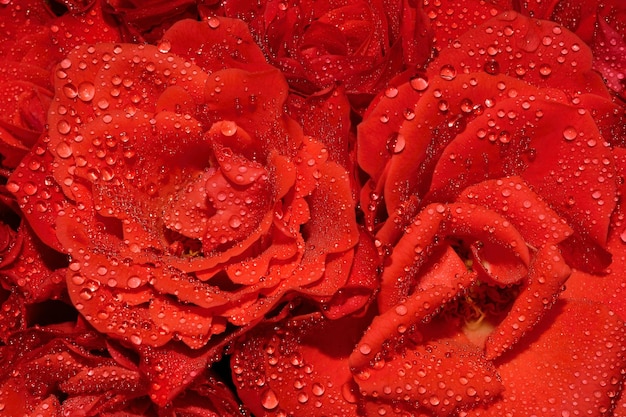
<point x="419" y="83"/>
<point x="401" y="310"/>
<point x="64" y="127"/>
<point x="570" y="133"/>
<point x="391" y="92"/>
<point x="504" y="137"/>
<point x="269" y="401"/>
<point x="545" y="70"/>
<point x="86" y="91"/>
<point x="447" y="72"/>
<point x="64" y="150"/>
<point x="135" y="339"/>
<point x="133" y="282"/>
<point x="234" y="222"/>
<point x="164" y="46"/>
<point x="228" y="128"/>
<point x="29" y="188"/>
<point x="492" y="67"/>
<point x="348" y="392"/>
<point x="70" y="90"/>
<point x="365" y="349"/>
<point x="318" y="389"/>
<point x="213" y="22"/>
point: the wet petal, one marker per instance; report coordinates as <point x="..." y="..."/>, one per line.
<point x="546" y="276"/>
<point x="583" y="377"/>
<point x="311" y="353"/>
<point x="439" y="376"/>
<point x="502" y="251"/>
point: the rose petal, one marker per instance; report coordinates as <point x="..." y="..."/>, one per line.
<point x="312" y="355"/>
<point x="583" y="377"/>
<point x="504" y="254"/>
<point x="523" y="47"/>
<point x="439" y="376"/>
<point x="528" y="212"/>
<point x="581" y="201"/>
<point x="389" y="326"/>
<point x="171" y="369"/>
<point x="223" y="43"/>
<point x="361" y="284"/>
<point x="546" y="276"/>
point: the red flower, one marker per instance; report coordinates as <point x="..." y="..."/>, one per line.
<point x="602" y="25"/>
<point x="66" y="370"/>
<point x="149" y="20"/>
<point x="302" y="367"/>
<point x="188" y="201"/>
<point x="31" y="274"/>
<point x="317" y="44"/>
<point x="487" y="108"/>
<point x="32" y="40"/>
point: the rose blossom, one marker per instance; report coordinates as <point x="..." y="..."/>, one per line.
<point x="149" y="19"/>
<point x="493" y="173"/>
<point x="188" y="201"/>
<point x="32" y="276"/>
<point x="359" y="44"/>
<point x="69" y="370"/>
<point x="602" y="25"/>
<point x="32" y="40"/>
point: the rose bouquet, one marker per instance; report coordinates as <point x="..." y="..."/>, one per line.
<point x="298" y="208"/>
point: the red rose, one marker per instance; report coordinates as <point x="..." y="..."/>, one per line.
<point x="188" y="201"/>
<point x="501" y="100"/>
<point x="150" y="19"/>
<point x="31" y="274"/>
<point x="492" y="174"/>
<point x="32" y="40"/>
<point x="302" y="366"/>
<point x="360" y="44"/>
<point x="602" y="25"/>
<point x="66" y="370"/>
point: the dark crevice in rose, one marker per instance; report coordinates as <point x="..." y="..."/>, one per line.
<point x="181" y="245"/>
<point x="50" y="312"/>
<point x="9" y="217"/>
<point x="483" y="302"/>
<point x="222" y="369"/>
<point x="224" y="283"/>
<point x="111" y="225"/>
<point x="58" y="8"/>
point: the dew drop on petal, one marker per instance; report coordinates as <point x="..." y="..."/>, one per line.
<point x="447" y="72"/>
<point x="229" y="128"/>
<point x="64" y="127"/>
<point x="164" y="46"/>
<point x="70" y="90"/>
<point x="545" y="70"/>
<point x="419" y="83"/>
<point x="213" y="22"/>
<point x="570" y="133"/>
<point x="135" y="339"/>
<point x="269" y="401"/>
<point x="401" y="310"/>
<point x="318" y="389"/>
<point x="64" y="150"/>
<point x="133" y="282"/>
<point x="365" y="349"/>
<point x="348" y="392"/>
<point x="391" y="92"/>
<point x="86" y="91"/>
<point x="234" y="222"/>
